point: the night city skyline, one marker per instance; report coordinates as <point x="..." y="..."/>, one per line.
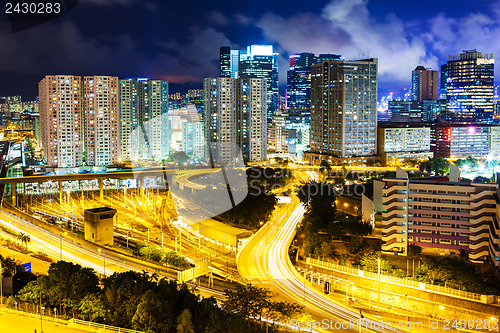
<point x="249" y="166"/>
<point x="180" y="42"/>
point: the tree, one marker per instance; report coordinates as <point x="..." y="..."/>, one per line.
<point x="257" y="207"/>
<point x="69" y="283"/>
<point x="481" y="179"/>
<point x="310" y="191"/>
<point x="246" y="300"/>
<point x="184" y="324"/>
<point x="151" y="253"/>
<point x="437" y="164"/>
<point x="179" y="157"/>
<point x="357" y="243"/>
<point x="92" y="306"/>
<point x="324" y="166"/>
<point x="34" y="290"/>
<point x="24" y="239"/>
<point x="8" y="266"/>
<point x="414" y="250"/>
<point x="369" y="262"/>
<point x="283" y="311"/>
<point x="147" y="315"/>
<point x="325" y="249"/>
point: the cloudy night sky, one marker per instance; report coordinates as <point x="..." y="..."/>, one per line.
<point x="179" y="40"/>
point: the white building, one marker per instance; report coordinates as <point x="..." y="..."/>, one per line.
<point x="193" y="140"/>
<point x="101" y="120"/>
<point x="398" y="142"/>
<point x="235" y="118"/>
<point x="144" y="118"/>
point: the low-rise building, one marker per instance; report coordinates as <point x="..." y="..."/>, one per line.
<point x="441" y="216"/>
<point x="399" y="142"/>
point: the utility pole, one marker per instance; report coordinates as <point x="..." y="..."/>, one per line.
<point x="1" y="281"/>
<point x="379" y="280"/>
<point x="41" y="321"/>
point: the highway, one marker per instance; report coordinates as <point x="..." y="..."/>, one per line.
<point x="103" y="262"/>
<point x="264" y="261"/>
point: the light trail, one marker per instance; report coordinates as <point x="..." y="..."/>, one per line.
<point x="264" y="259"/>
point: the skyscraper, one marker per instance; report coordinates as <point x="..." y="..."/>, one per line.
<point x="344" y="108"/>
<point x="298" y="87"/>
<point x="442" y="82"/>
<point x="424" y="84"/>
<point x="257" y="61"/>
<point x="469" y="86"/>
<point x="144" y="126"/>
<point x="61" y="120"/>
<point x="101" y="120"/>
<point x="235" y="118"/>
<point x="225" y="61"/>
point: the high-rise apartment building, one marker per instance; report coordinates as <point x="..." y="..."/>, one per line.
<point x="235" y="118"/>
<point x="344" y="108"/>
<point x="144" y="126"/>
<point x="193" y="139"/>
<point x="102" y="139"/>
<point x="469" y="87"/>
<point x="257" y="61"/>
<point x="298" y="88"/>
<point x="424" y="84"/>
<point x="61" y="120"/>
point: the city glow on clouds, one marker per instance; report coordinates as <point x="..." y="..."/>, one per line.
<point x="191" y="52"/>
<point x="347" y="27"/>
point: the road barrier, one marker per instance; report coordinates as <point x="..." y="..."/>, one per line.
<point x="98" y="327"/>
<point x="400" y="281"/>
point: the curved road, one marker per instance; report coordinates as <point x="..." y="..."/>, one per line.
<point x="263" y="260"/>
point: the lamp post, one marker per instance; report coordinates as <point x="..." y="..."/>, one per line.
<point x="60" y="246"/>
<point x="104" y="259"/>
<point x="1" y="281"/>
<point x="41" y="308"/>
<point x="67" y="197"/>
<point x="379" y="280"/>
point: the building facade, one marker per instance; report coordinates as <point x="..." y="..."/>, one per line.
<point x="469" y="87"/>
<point x="433" y="110"/>
<point x="144" y="126"/>
<point x="405" y="111"/>
<point x="344" y="108"/>
<point x="442" y="217"/>
<point x="459" y="141"/>
<point x="424" y="84"/>
<point x="193" y="140"/>
<point x="61" y="120"/>
<point x="102" y="139"/>
<point x="257" y="61"/>
<point x="400" y="142"/>
<point x="235" y="119"/>
<point x="298" y="85"/>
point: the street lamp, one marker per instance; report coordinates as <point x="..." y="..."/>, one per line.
<point x="104" y="259"/>
<point x="378" y="279"/>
